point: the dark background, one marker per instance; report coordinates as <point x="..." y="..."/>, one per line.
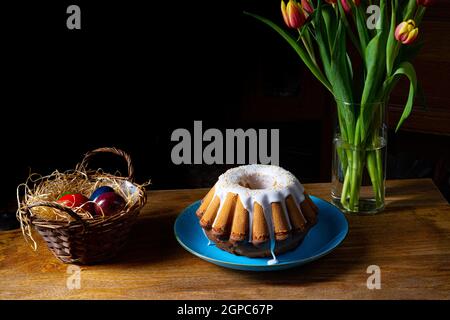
<point x="137" y="70"/>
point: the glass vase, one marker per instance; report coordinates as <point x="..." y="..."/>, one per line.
<point x="359" y="157"/>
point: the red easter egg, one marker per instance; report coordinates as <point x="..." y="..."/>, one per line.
<point x="109" y="203"/>
<point x="77" y="201"/>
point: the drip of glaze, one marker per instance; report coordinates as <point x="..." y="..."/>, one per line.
<point x="268" y="216"/>
<point x="209" y="241"/>
<point x="273" y="261"/>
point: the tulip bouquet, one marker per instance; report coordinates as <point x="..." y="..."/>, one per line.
<point x="330" y="36"/>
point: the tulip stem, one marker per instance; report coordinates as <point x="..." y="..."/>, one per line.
<point x="419" y="15"/>
<point x="308" y="48"/>
<point x="310" y="52"/>
<point x="345" y="188"/>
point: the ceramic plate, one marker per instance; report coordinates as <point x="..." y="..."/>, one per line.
<point x="325" y="236"/>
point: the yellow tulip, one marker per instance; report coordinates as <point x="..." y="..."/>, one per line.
<point x="406" y="32"/>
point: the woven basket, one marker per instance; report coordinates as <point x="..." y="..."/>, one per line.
<point x="89" y="241"/>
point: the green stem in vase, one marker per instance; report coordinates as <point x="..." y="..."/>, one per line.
<point x="380" y="174"/>
<point x="377" y="144"/>
<point x="345" y="188"/>
<point x="374" y="176"/>
<point x="355" y="178"/>
<point x="355" y="167"/>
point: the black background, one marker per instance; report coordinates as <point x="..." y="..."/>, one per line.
<point x="135" y="71"/>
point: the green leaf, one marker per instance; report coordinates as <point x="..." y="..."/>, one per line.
<point x="322" y="40"/>
<point x="392" y="46"/>
<point x="330" y="23"/>
<point x="350" y="67"/>
<point x="383" y="22"/>
<point x="374" y="54"/>
<point x="405" y="69"/>
<point x="375" y="69"/>
<point x="419" y="15"/>
<point x="343" y="19"/>
<point x="340" y="78"/>
<point x="409" y="10"/>
<point x="361" y="26"/>
<point x="298" y="49"/>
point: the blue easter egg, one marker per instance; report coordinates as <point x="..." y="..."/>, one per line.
<point x="100" y="191"/>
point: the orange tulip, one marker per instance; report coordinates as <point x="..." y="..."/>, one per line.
<point x="293" y="14"/>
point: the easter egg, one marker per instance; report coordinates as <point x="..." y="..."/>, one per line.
<point x="63" y="194"/>
<point x="100" y="191"/>
<point x="77" y="200"/>
<point x="109" y="203"/>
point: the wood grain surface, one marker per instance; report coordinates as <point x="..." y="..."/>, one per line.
<point x="410" y="242"/>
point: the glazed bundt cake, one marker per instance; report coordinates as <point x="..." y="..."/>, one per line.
<point x="257" y="211"/>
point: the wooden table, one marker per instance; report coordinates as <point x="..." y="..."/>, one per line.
<point x="410" y="242"/>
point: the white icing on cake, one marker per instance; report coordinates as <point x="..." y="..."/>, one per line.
<point x="268" y="184"/>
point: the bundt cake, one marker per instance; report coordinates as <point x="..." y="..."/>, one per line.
<point x="257" y="211"/>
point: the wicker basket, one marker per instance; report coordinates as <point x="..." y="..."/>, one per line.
<point x="89" y="241"/>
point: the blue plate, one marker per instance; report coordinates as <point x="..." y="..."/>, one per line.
<point x="326" y="235"/>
